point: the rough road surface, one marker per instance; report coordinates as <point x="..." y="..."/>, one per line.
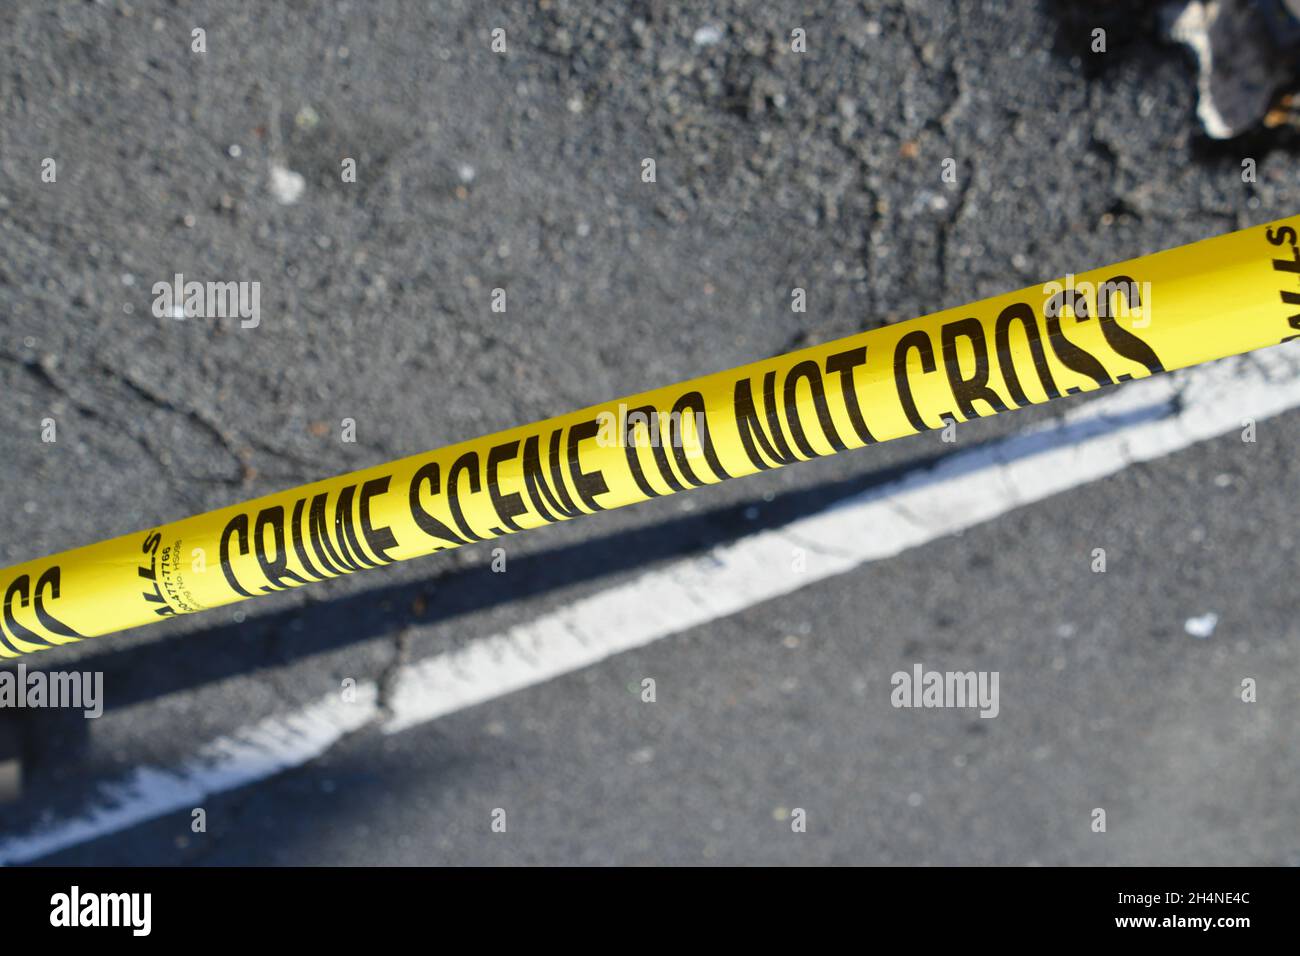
<point x="478" y="170"/>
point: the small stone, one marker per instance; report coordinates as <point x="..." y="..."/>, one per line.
<point x="707" y="35"/>
<point x="286" y="185"/>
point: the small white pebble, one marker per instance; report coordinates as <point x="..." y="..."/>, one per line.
<point x="286" y="185"/>
<point x="707" y="36"/>
<point x="1202" y="626"/>
<point x="234" y="151"/>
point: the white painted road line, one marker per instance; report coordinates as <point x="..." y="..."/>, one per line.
<point x="1136" y="422"/>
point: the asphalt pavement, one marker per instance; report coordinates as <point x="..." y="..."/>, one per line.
<point x="521" y="170"/>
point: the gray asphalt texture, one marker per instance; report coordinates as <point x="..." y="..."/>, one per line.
<point x="775" y="170"/>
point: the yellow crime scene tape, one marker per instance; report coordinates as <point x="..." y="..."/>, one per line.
<point x="1187" y="305"/>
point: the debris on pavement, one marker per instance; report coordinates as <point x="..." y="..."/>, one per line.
<point x="1247" y="53"/>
